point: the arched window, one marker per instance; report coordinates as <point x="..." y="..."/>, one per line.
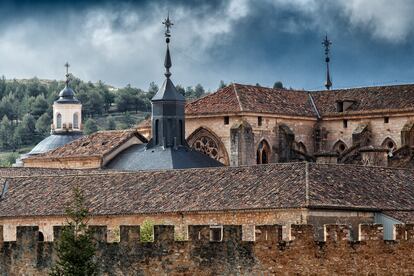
<point x="263" y="153"/>
<point x="59" y="120"/>
<point x="339" y="147"/>
<point x="389" y="144"/>
<point x="207" y="142"/>
<point x="76" y="120"/>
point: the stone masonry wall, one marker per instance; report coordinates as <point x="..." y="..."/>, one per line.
<point x="266" y="255"/>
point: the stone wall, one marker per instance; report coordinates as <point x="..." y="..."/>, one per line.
<point x="266" y="255"/>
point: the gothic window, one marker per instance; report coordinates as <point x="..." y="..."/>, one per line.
<point x="59" y="120"/>
<point x="340" y="147"/>
<point x="207" y="142"/>
<point x="76" y="120"/>
<point x="389" y="144"/>
<point x="263" y="153"/>
<point x="301" y="147"/>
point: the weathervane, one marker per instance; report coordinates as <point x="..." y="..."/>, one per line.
<point x="67" y="65"/>
<point x="326" y="42"/>
<point x="167" y="62"/>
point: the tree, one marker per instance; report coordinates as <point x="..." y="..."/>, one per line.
<point x="111" y="124"/>
<point x="198" y="91"/>
<point x="180" y="89"/>
<point x="222" y="84"/>
<point x="152" y="90"/>
<point x="90" y="126"/>
<point x="43" y="125"/>
<point x="278" y="84"/>
<point x="189" y="92"/>
<point x="147" y="231"/>
<point x="95" y="103"/>
<point x="39" y="106"/>
<point x="75" y="248"/>
<point x="127" y="121"/>
<point x="6" y="133"/>
<point x="24" y="132"/>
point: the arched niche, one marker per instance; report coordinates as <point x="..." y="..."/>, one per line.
<point x="407" y="134"/>
<point x="263" y="152"/>
<point x="300" y="146"/>
<point x="58" y="120"/>
<point x="207" y="142"/>
<point x="339" y="147"/>
<point x="389" y="144"/>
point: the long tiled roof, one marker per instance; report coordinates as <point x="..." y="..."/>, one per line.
<point x="237" y="98"/>
<point x="248" y="98"/>
<point x="22" y="171"/>
<point x="272" y="186"/>
<point x="367" y="99"/>
<point x="97" y="144"/>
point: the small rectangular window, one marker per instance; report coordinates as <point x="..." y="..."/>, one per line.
<point x="345" y="122"/>
<point x="259" y="121"/>
<point x="226" y="120"/>
<point x="386" y="120"/>
<point x="216" y="233"/>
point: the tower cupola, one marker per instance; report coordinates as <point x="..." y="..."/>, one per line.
<point x="67" y="110"/>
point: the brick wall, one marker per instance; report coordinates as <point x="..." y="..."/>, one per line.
<point x="267" y="255"/>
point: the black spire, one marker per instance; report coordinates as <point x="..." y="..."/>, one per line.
<point x="168" y="123"/>
<point x="327" y="43"/>
<point x="67" y="65"/>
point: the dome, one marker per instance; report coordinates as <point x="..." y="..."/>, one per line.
<point x="67" y="95"/>
<point x="54" y="141"/>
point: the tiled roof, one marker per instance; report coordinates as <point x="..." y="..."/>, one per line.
<point x="403" y="216"/>
<point x="367" y="98"/>
<point x="272" y="186"/>
<point x="21" y="171"/>
<point x="246" y="98"/>
<point x="97" y="144"/>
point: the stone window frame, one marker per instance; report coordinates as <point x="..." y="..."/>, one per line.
<point x="263" y="146"/>
<point x="214" y="230"/>
<point x="58" y="120"/>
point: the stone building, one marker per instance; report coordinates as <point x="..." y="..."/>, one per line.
<point x="245" y="125"/>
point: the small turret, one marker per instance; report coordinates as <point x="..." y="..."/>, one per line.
<point x="67" y="110"/>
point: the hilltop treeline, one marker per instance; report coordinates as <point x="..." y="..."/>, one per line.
<point x="26" y="106"/>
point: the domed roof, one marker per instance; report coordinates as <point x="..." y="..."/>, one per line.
<point x="67" y="95"/>
<point x="54" y="141"/>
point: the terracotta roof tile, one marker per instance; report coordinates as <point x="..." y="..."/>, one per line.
<point x="272" y="186"/>
<point x="96" y="144"/>
<point x="238" y="98"/>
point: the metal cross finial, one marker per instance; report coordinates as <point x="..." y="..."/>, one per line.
<point x="67" y="65"/>
<point x="168" y="25"/>
<point x="326" y="42"/>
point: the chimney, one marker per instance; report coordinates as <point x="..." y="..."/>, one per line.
<point x="372" y="156"/>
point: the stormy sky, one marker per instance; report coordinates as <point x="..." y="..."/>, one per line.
<point x="245" y="41"/>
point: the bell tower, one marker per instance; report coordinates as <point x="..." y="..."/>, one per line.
<point x="67" y="110"/>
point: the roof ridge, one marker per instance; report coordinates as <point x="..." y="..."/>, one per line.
<point x="237" y="96"/>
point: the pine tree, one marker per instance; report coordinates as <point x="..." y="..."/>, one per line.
<point x="90" y="126"/>
<point x="75" y="248"/>
<point x="111" y="124"/>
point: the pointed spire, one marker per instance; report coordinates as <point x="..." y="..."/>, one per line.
<point x="167" y="62"/>
<point x="327" y="43"/>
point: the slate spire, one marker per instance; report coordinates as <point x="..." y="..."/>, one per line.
<point x="327" y="43"/>
<point x="168" y="123"/>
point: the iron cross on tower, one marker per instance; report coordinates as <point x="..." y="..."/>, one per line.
<point x="67" y="65"/>
<point x="168" y="25"/>
<point x="327" y="43"/>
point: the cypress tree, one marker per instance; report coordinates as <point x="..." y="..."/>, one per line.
<point x="75" y="248"/>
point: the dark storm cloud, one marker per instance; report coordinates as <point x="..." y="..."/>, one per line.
<point x="246" y="41"/>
